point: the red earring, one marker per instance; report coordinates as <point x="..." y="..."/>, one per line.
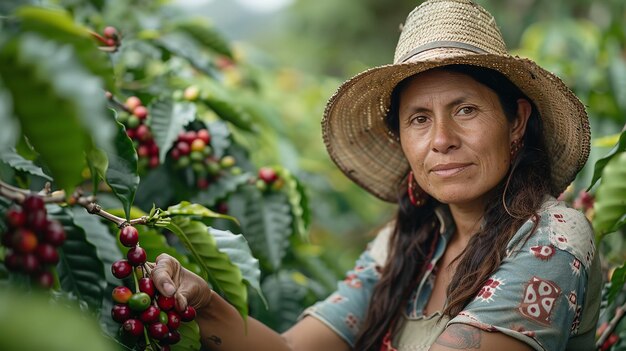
<point x="417" y="196"/>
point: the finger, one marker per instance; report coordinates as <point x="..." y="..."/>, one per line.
<point x="165" y="275"/>
<point x="181" y="301"/>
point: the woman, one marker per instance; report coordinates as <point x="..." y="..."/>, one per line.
<point x="473" y="144"/>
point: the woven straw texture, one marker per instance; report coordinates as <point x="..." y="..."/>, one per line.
<point x="353" y="126"/>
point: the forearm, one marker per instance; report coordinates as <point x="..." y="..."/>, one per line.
<point x="223" y="329"/>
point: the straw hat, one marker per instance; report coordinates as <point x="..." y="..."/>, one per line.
<point x="435" y="34"/>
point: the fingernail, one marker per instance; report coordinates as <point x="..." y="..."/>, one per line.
<point x="169" y="289"/>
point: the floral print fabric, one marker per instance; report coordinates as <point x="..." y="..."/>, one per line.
<point x="536" y="295"/>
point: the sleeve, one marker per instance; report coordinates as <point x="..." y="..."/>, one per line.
<point x="536" y="294"/>
<point x="344" y="310"/>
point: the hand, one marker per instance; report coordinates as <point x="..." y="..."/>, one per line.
<point x="170" y="278"/>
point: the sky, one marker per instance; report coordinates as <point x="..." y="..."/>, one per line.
<point x="255" y="5"/>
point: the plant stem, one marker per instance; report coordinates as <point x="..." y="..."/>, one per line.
<point x="619" y="314"/>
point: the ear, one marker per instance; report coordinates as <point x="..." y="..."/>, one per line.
<point x="518" y="127"/>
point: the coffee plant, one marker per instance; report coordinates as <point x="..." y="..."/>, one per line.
<point x="126" y="133"/>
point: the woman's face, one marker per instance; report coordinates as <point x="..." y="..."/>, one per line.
<point x="455" y="135"/>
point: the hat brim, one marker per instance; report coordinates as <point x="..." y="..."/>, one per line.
<point x="358" y="141"/>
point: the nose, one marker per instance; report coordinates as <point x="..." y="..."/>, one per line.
<point x="444" y="136"/>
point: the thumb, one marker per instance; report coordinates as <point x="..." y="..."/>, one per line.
<point x="165" y="274"/>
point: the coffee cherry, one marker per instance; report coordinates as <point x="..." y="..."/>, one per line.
<point x="30" y="263"/>
<point x="37" y="220"/>
<point x="132" y="123"/>
<point x="150" y="315"/>
<point x="190" y="136"/>
<point x="24" y="241"/>
<point x="120" y="313"/>
<point x="54" y="233"/>
<point x="33" y="203"/>
<point x="188" y="314"/>
<point x="139" y="302"/>
<point x="227" y="161"/>
<point x="16" y="217"/>
<point x="166" y="303"/>
<point x="121" y="269"/>
<point x="183" y="148"/>
<point x="132" y="103"/>
<point x="136" y="256"/>
<point x="198" y="145"/>
<point x="173" y="337"/>
<point x="133" y="327"/>
<point x="158" y="330"/>
<point x="121" y="294"/>
<point x="147" y="286"/>
<point x="202" y="183"/>
<point x="141" y="112"/>
<point x="204" y="135"/>
<point x="13" y="261"/>
<point x="47" y="254"/>
<point x="191" y="93"/>
<point x="267" y="175"/>
<point x="110" y="32"/>
<point x="173" y="320"/>
<point x="165" y="347"/>
<point x="154" y="161"/>
<point x="129" y="236"/>
<point x="45" y="279"/>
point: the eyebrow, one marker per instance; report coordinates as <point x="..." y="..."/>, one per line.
<point x="454" y="102"/>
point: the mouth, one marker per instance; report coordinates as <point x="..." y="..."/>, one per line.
<point x="449" y="169"/>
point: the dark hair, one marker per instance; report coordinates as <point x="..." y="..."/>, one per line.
<point x="514" y="200"/>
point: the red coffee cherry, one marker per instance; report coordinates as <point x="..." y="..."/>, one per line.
<point x="188" y="314"/>
<point x="30" y="263"/>
<point x="110" y="32"/>
<point x="136" y="256"/>
<point x="173" y="320"/>
<point x="150" y="315"/>
<point x="133" y="327"/>
<point x="121" y="269"/>
<point x="129" y="236"/>
<point x="16" y="217"/>
<point x="141" y="112"/>
<point x="146" y="285"/>
<point x="47" y="254"/>
<point x="37" y="220"/>
<point x="13" y="261"/>
<point x="54" y="234"/>
<point x="120" y="313"/>
<point x="33" y="203"/>
<point x="45" y="279"/>
<point x="204" y="135"/>
<point x="267" y="174"/>
<point x="166" y="303"/>
<point x="158" y="330"/>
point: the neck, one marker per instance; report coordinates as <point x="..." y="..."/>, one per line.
<point x="467" y="220"/>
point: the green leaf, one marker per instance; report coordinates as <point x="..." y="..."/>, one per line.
<point x="610" y="202"/>
<point x="207" y="36"/>
<point x="98" y="163"/>
<point x="220" y="137"/>
<point x="13" y="159"/>
<point x="187" y="208"/>
<point x="181" y="45"/>
<point x="284" y="297"/>
<point x="189" y="337"/>
<point x="224" y="275"/>
<point x="31" y="322"/>
<point x="231" y="112"/>
<point x="617" y="283"/>
<point x="121" y="174"/>
<point x="220" y="189"/>
<point x="80" y="270"/>
<point x="266" y="220"/>
<point x="59" y="105"/>
<point x="167" y="119"/>
<point x="57" y="25"/>
<point x="601" y="163"/>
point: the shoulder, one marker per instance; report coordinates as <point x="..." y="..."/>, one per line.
<point x="379" y="247"/>
<point x="563" y="228"/>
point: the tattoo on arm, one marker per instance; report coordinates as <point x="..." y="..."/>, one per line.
<point x="460" y="337"/>
<point x="215" y="339"/>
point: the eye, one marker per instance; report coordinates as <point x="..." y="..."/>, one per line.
<point x="466" y="110"/>
<point x="419" y="120"/>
